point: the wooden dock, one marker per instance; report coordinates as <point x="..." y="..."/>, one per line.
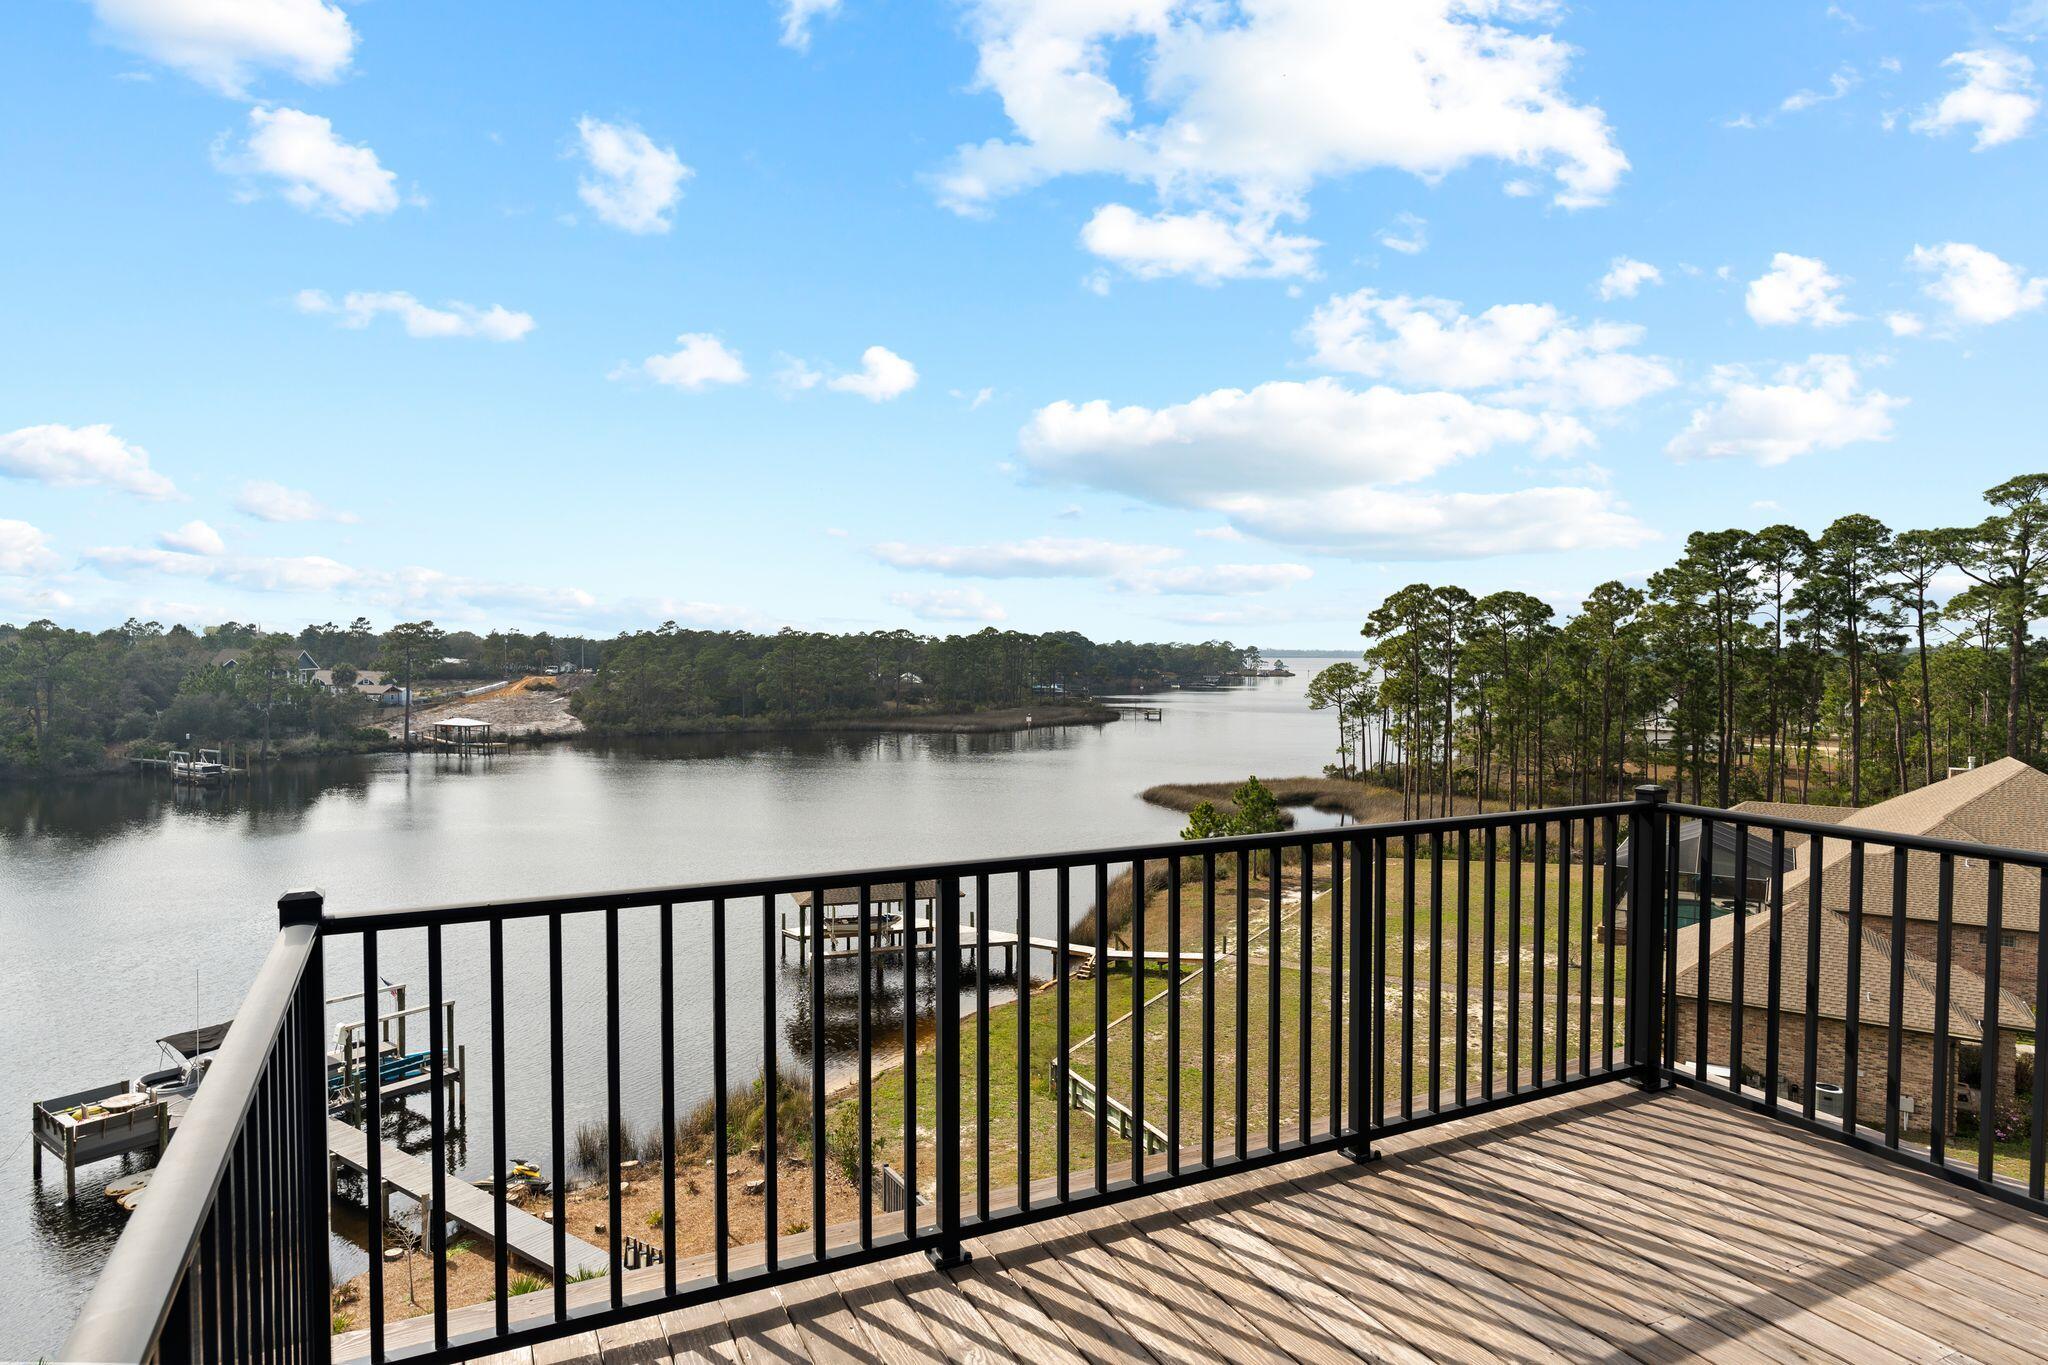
<point x="529" y="1238"/>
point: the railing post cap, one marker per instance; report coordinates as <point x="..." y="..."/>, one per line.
<point x="301" y="907"/>
<point x="1651" y="792"/>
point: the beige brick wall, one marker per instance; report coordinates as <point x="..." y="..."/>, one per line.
<point x="1916" y="1058"/>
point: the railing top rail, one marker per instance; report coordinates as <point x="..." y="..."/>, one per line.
<point x="126" y="1311"/>
<point x="1847" y="834"/>
<point x="359" y="921"/>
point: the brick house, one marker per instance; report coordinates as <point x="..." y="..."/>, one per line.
<point x="1873" y="1009"/>
<point x="2003" y="803"/>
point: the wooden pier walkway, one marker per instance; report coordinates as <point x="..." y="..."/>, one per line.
<point x="527" y="1237"/>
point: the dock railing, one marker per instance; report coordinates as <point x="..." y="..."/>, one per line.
<point x="1330" y="1022"/>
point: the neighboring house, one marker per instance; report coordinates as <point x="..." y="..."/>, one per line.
<point x="1872" y="1009"/>
<point x="299" y="670"/>
<point x="2003" y="803"/>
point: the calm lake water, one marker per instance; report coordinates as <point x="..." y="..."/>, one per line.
<point x="128" y="911"/>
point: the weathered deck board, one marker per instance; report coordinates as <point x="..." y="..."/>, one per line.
<point x="1606" y="1225"/>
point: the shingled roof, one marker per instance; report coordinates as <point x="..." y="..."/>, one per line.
<point x="1916" y="1014"/>
<point x="2003" y="803"/>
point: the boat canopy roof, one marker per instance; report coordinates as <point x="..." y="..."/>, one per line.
<point x="197" y="1042"/>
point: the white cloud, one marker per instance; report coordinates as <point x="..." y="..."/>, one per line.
<point x="1518" y="352"/>
<point x="23" y="549"/>
<point x="193" y="538"/>
<point x="1269" y="458"/>
<point x="1390" y="524"/>
<point x="1425" y="86"/>
<point x="315" y="170"/>
<point x="1220" y="533"/>
<point x="1626" y="276"/>
<point x="1905" y="324"/>
<point x="1797" y="289"/>
<point x="223" y="43"/>
<point x="796" y="20"/>
<point x="1998" y="97"/>
<point x="950" y="605"/>
<point x="1975" y="285"/>
<point x="1220" y="580"/>
<point x="267" y="501"/>
<point x="82" y="457"/>
<point x="700" y="361"/>
<point x="1818" y="404"/>
<point x="1042" y="557"/>
<point x="359" y="308"/>
<point x="1408" y="234"/>
<point x="634" y="182"/>
<point x="1841" y="83"/>
<point x="1204" y="246"/>
<point x="301" y="573"/>
<point x="883" y="375"/>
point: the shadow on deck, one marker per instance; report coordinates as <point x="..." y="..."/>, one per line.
<point x="1602" y="1225"/>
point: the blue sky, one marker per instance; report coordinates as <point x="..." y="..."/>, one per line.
<point x="1143" y="318"/>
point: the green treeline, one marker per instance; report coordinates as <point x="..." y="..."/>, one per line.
<point x="70" y="699"/>
<point x="673" y="679"/>
<point x="1841" y="668"/>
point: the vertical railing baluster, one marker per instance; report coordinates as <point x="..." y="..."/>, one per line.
<point x="1463" y="930"/>
<point x="721" y="1213"/>
<point x="373" y="1147"/>
<point x="1063" y="1055"/>
<point x="1137" y="1021"/>
<point x="1209" y="1009"/>
<point x="1377" y="1101"/>
<point x="984" y="922"/>
<point x="1243" y="1058"/>
<point x="1357" y="1120"/>
<point x="1304" y="923"/>
<point x="820" y="944"/>
<point x="1609" y="872"/>
<point x="1436" y="970"/>
<point x="613" y="1145"/>
<point x="1340" y="853"/>
<point x="1895" y="962"/>
<point x="668" y="1097"/>
<point x="1809" y="1062"/>
<point x="310" y="1066"/>
<point x="1563" y="950"/>
<point x="864" y="1044"/>
<point x="909" y="892"/>
<point x="1514" y="1039"/>
<point x="1024" y="1005"/>
<point x="1407" y="976"/>
<point x="1586" y="947"/>
<point x="1703" y="904"/>
<point x="501" y="1164"/>
<point x="771" y="1085"/>
<point x="1943" y="1091"/>
<point x="1488" y="890"/>
<point x="1852" y="1028"/>
<point x="1173" y="875"/>
<point x="557" y="1112"/>
<point x="1669" y="891"/>
<point x="1987" y="1045"/>
<point x="1539" y="919"/>
<point x="1274" y="961"/>
<point x="1774" y="972"/>
<point x="2037" y="1147"/>
<point x="437" y="1120"/>
<point x="1738" y="956"/>
<point x="946" y="1087"/>
<point x="1101" y="994"/>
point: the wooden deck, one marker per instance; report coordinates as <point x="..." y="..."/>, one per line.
<point x="1606" y="1225"/>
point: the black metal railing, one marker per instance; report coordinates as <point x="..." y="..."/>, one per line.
<point x="1494" y="941"/>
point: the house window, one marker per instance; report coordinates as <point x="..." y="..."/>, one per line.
<point x="2008" y="940"/>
